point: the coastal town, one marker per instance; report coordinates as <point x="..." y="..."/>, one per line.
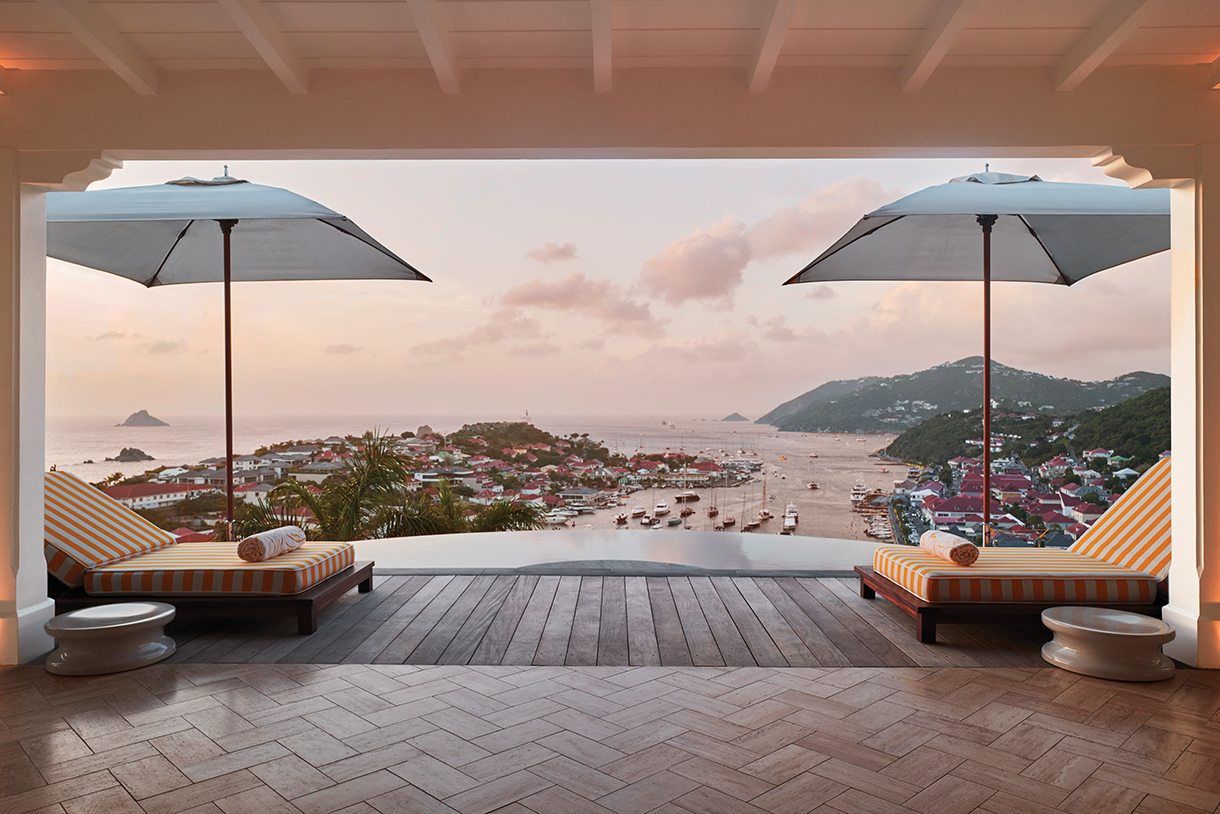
<point x="576" y="481"/>
<point x="564" y="476"/>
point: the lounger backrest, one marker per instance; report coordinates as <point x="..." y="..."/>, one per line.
<point x="1135" y="531"/>
<point x="84" y="527"/>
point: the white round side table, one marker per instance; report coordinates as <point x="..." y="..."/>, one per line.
<point x="1110" y="644"/>
<point x="110" y="638"/>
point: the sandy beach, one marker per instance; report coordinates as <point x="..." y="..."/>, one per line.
<point x="841" y="460"/>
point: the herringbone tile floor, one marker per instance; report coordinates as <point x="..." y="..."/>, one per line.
<point x="391" y="739"/>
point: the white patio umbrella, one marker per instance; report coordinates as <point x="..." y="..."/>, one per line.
<point x="188" y="231"/>
<point x="1045" y="232"/>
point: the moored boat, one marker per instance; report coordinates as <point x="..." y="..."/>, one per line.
<point x="661" y="509"/>
<point x="729" y="521"/>
<point x="639" y="511"/>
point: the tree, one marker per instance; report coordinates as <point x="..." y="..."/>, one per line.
<point x="1071" y="477"/>
<point x="448" y="513"/>
<point x="348" y="507"/>
<point x="110" y="480"/>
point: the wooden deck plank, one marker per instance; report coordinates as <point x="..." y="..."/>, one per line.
<point x="373" y="620"/>
<point x="704" y="650"/>
<point x="790" y="645"/>
<point x="642" y="648"/>
<point x="397" y="651"/>
<point x="846" y="641"/>
<point x="612" y="633"/>
<point x="346" y="612"/>
<point x="672" y="648"/>
<point x="475" y="627"/>
<point x="398" y="621"/>
<point x="899" y="628"/>
<point x="764" y="649"/>
<point x="729" y="641"/>
<point x="582" y="645"/>
<point x="890" y="654"/>
<point x="609" y="620"/>
<point x="553" y="645"/>
<point x="430" y="649"/>
<point x="819" y="644"/>
<point x="525" y="640"/>
<point x="895" y="625"/>
<point x="500" y="632"/>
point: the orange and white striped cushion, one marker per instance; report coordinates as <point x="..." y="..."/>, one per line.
<point x="1135" y="531"/>
<point x="84" y="528"/>
<point x="1014" y="575"/>
<point x="214" y="569"/>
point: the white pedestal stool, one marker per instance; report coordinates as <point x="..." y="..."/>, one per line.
<point x="110" y="638"/>
<point x="1110" y="644"/>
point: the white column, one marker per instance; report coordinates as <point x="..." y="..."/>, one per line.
<point x="24" y="181"/>
<point x="1194" y="576"/>
<point x="24" y="606"/>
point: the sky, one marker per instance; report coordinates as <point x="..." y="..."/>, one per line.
<point x="597" y="287"/>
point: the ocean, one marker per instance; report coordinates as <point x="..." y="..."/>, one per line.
<point x="842" y="458"/>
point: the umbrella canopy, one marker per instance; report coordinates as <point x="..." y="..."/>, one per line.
<point x="187" y="231"/>
<point x="1047" y="232"/>
<point x="168" y="233"/>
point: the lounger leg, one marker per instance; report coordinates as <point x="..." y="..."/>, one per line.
<point x="366" y="586"/>
<point x="925" y="625"/>
<point x="866" y="590"/>
<point x="307" y="619"/>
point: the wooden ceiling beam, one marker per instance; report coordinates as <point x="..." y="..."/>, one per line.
<point x="603" y="32"/>
<point x="948" y="21"/>
<point x="1213" y="75"/>
<point x="771" y="43"/>
<point x="256" y="24"/>
<point x="435" y="34"/>
<point x="1120" y="20"/>
<point x="101" y="37"/>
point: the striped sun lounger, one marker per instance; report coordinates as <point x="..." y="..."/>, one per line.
<point x="104" y="552"/>
<point x="1119" y="562"/>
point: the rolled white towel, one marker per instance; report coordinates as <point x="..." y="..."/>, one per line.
<point x="268" y="544"/>
<point x="949" y="547"/>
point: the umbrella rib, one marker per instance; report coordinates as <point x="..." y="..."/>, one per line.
<point x="152" y="281"/>
<point x="336" y="224"/>
<point x="796" y="277"/>
<point x="1062" y="277"/>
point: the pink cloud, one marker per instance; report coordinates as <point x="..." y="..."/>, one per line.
<point x="710" y="265"/>
<point x="552" y="252"/>
<point x="537" y="349"/>
<point x="598" y="299"/>
<point x="506" y="323"/>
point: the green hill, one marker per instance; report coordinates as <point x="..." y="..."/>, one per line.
<point x="1137" y="428"/>
<point x="900" y="402"/>
<point x="823" y="393"/>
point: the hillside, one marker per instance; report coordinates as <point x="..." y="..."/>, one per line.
<point x="900" y="402"/>
<point x="818" y="395"/>
<point x="1137" y="428"/>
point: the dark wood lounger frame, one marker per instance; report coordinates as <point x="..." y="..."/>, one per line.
<point x="304" y="606"/>
<point x="928" y="614"/>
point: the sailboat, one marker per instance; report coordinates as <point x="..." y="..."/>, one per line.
<point x="812" y="483"/>
<point x="764" y="514"/>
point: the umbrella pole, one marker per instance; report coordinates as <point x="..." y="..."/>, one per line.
<point x="226" y="226"/>
<point x="986" y="222"/>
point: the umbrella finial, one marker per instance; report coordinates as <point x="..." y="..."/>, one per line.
<point x="226" y="170"/>
<point x="986" y="168"/>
